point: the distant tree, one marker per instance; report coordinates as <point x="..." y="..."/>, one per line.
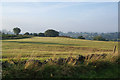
<point x="90" y="36"/>
<point x="81" y="37"/>
<point x="51" y="33"/>
<point x="30" y="34"/>
<point x="99" y="38"/>
<point x="27" y="33"/>
<point x="41" y="34"/>
<point x="3" y="33"/>
<point x="16" y="30"/>
<point x="35" y="34"/>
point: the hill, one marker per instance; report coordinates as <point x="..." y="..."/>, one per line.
<point x="45" y="47"/>
<point x="57" y="57"/>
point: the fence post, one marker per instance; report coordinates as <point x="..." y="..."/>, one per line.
<point x="114" y="49"/>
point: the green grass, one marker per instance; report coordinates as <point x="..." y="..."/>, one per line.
<point x="44" y="47"/>
<point x="99" y="69"/>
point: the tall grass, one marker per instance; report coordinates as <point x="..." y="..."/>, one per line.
<point x="94" y="67"/>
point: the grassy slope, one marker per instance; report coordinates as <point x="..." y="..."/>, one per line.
<point x="62" y="47"/>
<point x="44" y="47"/>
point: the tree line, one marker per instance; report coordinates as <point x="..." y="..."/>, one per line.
<point x="54" y="33"/>
<point x="47" y="33"/>
<point x="111" y="36"/>
<point x="17" y="35"/>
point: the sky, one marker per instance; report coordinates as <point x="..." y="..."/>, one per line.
<point x="59" y="0"/>
<point x="61" y="16"/>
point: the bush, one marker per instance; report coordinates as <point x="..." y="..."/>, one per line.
<point x="41" y="34"/>
<point x="35" y="34"/>
<point x="51" y="33"/>
<point x="11" y="36"/>
<point x="81" y="37"/>
<point x="27" y="33"/>
<point x="99" y="38"/>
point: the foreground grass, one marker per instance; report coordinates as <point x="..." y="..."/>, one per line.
<point x="66" y="71"/>
<point x="87" y="69"/>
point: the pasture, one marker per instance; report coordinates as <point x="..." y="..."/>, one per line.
<point x="47" y="47"/>
<point x="56" y="57"/>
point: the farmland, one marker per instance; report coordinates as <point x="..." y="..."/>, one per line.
<point x="46" y="47"/>
<point x="26" y="58"/>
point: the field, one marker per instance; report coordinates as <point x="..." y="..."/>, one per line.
<point x="45" y="47"/>
<point x="42" y="48"/>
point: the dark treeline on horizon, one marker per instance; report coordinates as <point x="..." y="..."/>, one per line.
<point x="109" y="36"/>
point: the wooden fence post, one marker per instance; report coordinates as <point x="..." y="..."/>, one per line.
<point x="114" y="49"/>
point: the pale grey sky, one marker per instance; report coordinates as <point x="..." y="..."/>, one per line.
<point x="61" y="16"/>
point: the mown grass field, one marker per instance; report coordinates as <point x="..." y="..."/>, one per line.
<point x="46" y="47"/>
<point x="19" y="57"/>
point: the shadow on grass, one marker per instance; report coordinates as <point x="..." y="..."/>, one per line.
<point x="43" y="43"/>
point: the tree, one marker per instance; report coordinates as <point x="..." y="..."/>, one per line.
<point x="41" y="34"/>
<point x="35" y="34"/>
<point x="51" y="33"/>
<point x="81" y="37"/>
<point x="30" y="34"/>
<point x="17" y="30"/>
<point x="27" y="33"/>
<point x="99" y="38"/>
